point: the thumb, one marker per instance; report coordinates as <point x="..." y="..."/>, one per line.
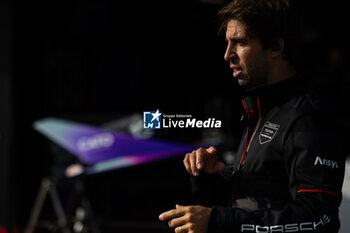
<point x="211" y="150"/>
<point x="177" y="206"/>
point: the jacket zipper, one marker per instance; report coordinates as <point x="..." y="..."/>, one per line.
<point x="246" y="147"/>
<point x="247" y="144"/>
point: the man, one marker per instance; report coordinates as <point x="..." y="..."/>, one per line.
<point x="289" y="169"/>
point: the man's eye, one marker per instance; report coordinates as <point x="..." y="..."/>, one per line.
<point x="237" y="42"/>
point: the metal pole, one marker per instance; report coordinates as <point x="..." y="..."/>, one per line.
<point x="44" y="188"/>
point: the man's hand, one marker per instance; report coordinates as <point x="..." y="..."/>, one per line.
<point x="203" y="159"/>
<point x="191" y="219"/>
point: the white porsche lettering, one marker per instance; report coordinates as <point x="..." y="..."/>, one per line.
<point x="291" y="227"/>
<point x="294" y="227"/>
<point x="247" y="227"/>
<point x="262" y="229"/>
<point x="277" y="228"/>
<point x="306" y="226"/>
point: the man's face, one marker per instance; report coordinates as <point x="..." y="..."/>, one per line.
<point x="247" y="58"/>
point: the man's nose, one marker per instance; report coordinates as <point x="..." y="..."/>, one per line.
<point x="229" y="54"/>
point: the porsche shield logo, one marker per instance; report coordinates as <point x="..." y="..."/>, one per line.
<point x="268" y="131"/>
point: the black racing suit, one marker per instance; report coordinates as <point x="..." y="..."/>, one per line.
<point x="289" y="169"/>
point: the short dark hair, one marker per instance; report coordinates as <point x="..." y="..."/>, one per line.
<point x="267" y="20"/>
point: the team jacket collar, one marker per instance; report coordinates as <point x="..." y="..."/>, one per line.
<point x="270" y="95"/>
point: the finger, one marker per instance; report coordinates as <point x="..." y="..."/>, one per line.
<point x="211" y="150"/>
<point x="194" y="169"/>
<point x="200" y="153"/>
<point x="187" y="163"/>
<point x="179" y="229"/>
<point x="175" y="222"/>
<point x="177" y="206"/>
<point x="174" y="213"/>
<point x="183" y="228"/>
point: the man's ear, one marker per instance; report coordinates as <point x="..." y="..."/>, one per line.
<point x="277" y="47"/>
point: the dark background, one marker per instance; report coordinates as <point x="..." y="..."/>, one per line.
<point x="95" y="61"/>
